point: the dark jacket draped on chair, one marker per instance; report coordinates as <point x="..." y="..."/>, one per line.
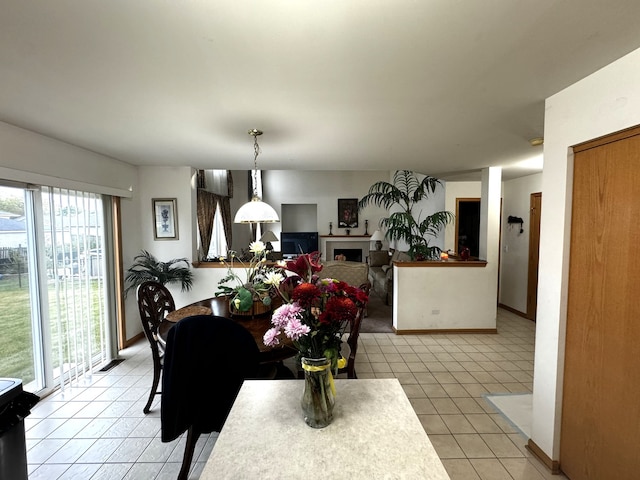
<point x="206" y="360"/>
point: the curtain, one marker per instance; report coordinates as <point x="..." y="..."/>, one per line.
<point x="225" y="211"/>
<point x="206" y="210"/>
<point x="215" y="187"/>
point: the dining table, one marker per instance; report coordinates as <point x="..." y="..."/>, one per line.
<point x="257" y="325"/>
<point x="375" y="434"/>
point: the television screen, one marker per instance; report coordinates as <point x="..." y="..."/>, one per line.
<point x="294" y="243"/>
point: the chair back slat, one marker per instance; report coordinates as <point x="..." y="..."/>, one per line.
<point x="352" y="341"/>
<point x="154" y="303"/>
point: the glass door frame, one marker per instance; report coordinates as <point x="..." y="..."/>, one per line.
<point x="38" y="282"/>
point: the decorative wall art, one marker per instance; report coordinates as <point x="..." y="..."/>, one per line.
<point x="165" y="218"/>
<point x="347" y="212"/>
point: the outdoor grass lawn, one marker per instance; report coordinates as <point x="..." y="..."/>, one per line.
<point x="16" y="346"/>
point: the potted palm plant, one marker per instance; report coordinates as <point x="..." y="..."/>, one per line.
<point x="146" y="268"/>
<point x="405" y="192"/>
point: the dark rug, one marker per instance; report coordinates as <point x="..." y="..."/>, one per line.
<point x="379" y="318"/>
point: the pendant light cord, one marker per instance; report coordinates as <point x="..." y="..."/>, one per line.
<point x="256" y="150"/>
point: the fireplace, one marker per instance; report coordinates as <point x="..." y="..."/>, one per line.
<point x="352" y="254"/>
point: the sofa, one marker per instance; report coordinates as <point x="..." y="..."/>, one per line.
<point x="381" y="271"/>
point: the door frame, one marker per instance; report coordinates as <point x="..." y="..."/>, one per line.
<point x="458" y="201"/>
<point x="535" y="212"/>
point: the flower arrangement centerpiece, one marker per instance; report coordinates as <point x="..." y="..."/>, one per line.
<point x="254" y="292"/>
<point x="315" y="315"/>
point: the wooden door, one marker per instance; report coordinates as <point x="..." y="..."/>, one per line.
<point x="535" y="204"/>
<point x="600" y="437"/>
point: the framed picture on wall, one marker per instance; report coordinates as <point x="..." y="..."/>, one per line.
<point x="347" y="212"/>
<point x="165" y="218"/>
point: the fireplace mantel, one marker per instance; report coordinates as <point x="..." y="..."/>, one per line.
<point x="330" y="242"/>
<point x="358" y="237"/>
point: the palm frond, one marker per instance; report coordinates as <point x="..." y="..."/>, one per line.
<point x="404" y="193"/>
<point x="398" y="225"/>
<point x="382" y="194"/>
<point x="406" y="181"/>
<point x="433" y="224"/>
<point x="427" y="186"/>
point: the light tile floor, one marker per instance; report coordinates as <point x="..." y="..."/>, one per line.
<point x="97" y="430"/>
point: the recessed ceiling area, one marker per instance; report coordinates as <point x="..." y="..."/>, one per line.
<point x="438" y="87"/>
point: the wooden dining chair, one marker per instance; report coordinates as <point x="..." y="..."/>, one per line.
<point x="350" y="345"/>
<point x="206" y="360"/>
<point x="154" y="303"/>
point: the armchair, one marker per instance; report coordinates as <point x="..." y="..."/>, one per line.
<point x="381" y="271"/>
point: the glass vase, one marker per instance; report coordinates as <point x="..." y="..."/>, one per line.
<point x="318" y="397"/>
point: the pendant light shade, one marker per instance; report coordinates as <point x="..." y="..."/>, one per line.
<point x="256" y="211"/>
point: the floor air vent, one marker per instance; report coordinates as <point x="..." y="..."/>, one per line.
<point x="111" y="364"/>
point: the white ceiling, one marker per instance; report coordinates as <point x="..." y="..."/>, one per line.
<point x="435" y="86"/>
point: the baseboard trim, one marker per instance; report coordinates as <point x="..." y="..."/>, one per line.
<point x="552" y="465"/>
<point x="428" y="331"/>
<point x="513" y="310"/>
<point x="133" y="339"/>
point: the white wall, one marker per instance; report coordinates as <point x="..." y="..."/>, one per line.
<point x="131" y="246"/>
<point x="605" y="102"/>
<point x="514" y="263"/>
<point x="33" y="158"/>
<point x="323" y="189"/>
<point x="426" y="298"/>
<point x="298" y="217"/>
<point x="444" y="298"/>
<point x="137" y="227"/>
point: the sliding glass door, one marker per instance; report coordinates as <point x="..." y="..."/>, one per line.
<point x="55" y="286"/>
<point x="20" y="337"/>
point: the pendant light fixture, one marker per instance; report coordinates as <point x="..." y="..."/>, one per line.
<point x="256" y="211"/>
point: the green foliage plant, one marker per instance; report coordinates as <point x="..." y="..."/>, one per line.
<point x="260" y="283"/>
<point x="146" y="268"/>
<point x="405" y="192"/>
